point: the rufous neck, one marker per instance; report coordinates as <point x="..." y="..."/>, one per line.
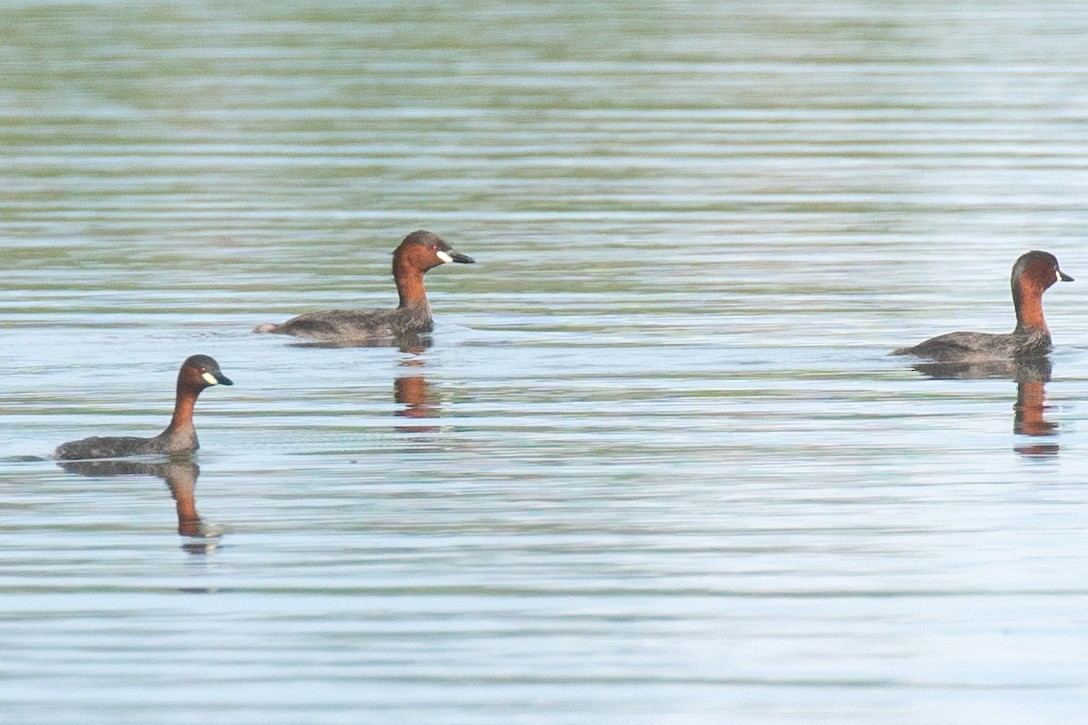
<point x="409" y="281"/>
<point x="1027" y="299"/>
<point x="183" y="407"/>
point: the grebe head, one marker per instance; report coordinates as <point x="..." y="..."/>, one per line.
<point x="423" y="250"/>
<point x="1039" y="270"/>
<point x="202" y="371"/>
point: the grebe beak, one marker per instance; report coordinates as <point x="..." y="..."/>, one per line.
<point x="216" y="379"/>
<point x="1063" y="277"/>
<point x="452" y="256"/>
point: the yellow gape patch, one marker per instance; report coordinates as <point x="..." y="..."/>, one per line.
<point x="209" y="379"/>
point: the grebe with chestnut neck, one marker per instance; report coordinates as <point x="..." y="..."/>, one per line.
<point x="197" y="373"/>
<point x="418" y="252"/>
<point x="1032" y="275"/>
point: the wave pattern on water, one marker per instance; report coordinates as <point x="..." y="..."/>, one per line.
<point x="656" y="465"/>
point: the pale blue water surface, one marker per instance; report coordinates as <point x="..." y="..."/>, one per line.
<point x="656" y="466"/>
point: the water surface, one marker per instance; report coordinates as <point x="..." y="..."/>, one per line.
<point x="656" y="465"/>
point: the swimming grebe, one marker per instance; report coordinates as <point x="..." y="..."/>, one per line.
<point x="420" y="251"/>
<point x="197" y="372"/>
<point x="1032" y="275"/>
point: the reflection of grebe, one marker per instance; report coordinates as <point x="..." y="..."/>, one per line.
<point x="196" y="373"/>
<point x="179" y="474"/>
<point x="417" y="253"/>
<point x="414" y="392"/>
<point x="1032" y="275"/>
<point x="413" y="342"/>
<point x="1028" y="418"/>
<point x="1030" y="404"/>
<point x="1031" y="377"/>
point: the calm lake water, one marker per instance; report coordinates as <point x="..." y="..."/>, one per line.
<point x="656" y="466"/>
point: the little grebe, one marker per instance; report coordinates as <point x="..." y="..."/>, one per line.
<point x="1032" y="275"/>
<point x="419" y="252"/>
<point x="197" y="372"/>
